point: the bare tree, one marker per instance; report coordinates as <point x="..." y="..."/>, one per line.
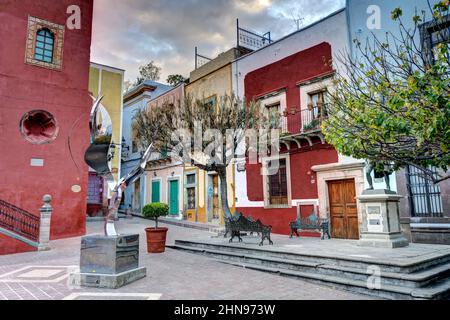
<point x="205" y="135"/>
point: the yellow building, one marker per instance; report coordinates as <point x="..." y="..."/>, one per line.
<point x="202" y="201"/>
<point x="108" y="82"/>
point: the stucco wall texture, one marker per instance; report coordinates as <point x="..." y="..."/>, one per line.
<point x="65" y="95"/>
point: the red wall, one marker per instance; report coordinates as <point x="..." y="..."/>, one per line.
<point x="9" y="245"/>
<point x="287" y="73"/>
<point x="64" y="94"/>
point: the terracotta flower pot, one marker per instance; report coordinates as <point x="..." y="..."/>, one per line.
<point x="156" y="239"/>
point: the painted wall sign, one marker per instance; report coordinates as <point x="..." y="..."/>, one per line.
<point x="34" y="162"/>
<point x="374" y="218"/>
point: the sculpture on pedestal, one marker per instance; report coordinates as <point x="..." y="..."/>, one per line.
<point x="110" y="260"/>
<point x="380" y="214"/>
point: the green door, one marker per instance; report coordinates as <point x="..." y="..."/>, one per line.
<point x="156" y="191"/>
<point x="173" y="197"/>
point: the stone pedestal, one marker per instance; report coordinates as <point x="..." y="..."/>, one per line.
<point x="381" y="220"/>
<point x="44" y="227"/>
<point x="108" y="262"/>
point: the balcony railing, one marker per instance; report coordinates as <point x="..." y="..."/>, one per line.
<point x="312" y="118"/>
<point x="19" y="221"/>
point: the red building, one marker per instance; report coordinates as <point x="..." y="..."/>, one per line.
<point x="279" y="85"/>
<point x="44" y="113"/>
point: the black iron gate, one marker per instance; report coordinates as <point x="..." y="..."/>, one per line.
<point x="424" y="196"/>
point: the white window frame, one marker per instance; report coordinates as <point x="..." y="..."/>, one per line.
<point x="266" y="191"/>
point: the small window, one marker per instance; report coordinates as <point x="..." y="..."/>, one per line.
<point x="317" y="104"/>
<point x="190" y="179"/>
<point x="44" y="46"/>
<point x="278" y="193"/>
<point x="274" y="113"/>
<point x="45" y="42"/>
<point x="39" y="127"/>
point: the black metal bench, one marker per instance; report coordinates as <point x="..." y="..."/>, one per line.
<point x="235" y="216"/>
<point x="310" y="223"/>
<point x="240" y="223"/>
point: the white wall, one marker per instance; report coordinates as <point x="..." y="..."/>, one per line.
<point x="332" y="29"/>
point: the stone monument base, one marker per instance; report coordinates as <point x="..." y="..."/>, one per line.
<point x="392" y="240"/>
<point x="381" y="220"/>
<point x="109" y="281"/>
<point x="108" y="262"/>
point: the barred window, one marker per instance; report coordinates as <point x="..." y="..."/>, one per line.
<point x="190" y="191"/>
<point x="44" y="46"/>
<point x="424" y="196"/>
<point x="432" y="34"/>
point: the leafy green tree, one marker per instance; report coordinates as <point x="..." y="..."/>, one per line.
<point x="390" y="103"/>
<point x="175" y="79"/>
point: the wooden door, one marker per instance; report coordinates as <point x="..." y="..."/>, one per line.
<point x="173" y="197"/>
<point x="343" y="209"/>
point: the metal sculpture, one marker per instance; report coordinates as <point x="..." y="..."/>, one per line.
<point x="99" y="155"/>
<point x="387" y="171"/>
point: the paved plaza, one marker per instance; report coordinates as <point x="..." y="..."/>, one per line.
<point x="171" y="275"/>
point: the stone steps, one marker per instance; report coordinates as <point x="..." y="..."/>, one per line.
<point x="431" y="281"/>
<point x="413" y="264"/>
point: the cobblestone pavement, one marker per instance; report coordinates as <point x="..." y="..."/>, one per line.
<point x="171" y="275"/>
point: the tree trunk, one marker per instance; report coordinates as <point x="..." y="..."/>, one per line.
<point x="224" y="192"/>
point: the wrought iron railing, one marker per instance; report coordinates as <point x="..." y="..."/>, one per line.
<point x="251" y="40"/>
<point x="19" y="221"/>
<point x="200" y="60"/>
<point x="312" y="118"/>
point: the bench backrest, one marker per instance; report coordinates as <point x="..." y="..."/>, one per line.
<point x="246" y="223"/>
<point x="312" y="219"/>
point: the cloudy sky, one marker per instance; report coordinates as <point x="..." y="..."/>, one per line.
<point x="127" y="34"/>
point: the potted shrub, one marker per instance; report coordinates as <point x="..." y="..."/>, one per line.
<point x="156" y="237"/>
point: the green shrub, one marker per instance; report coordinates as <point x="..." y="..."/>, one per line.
<point x="155" y="210"/>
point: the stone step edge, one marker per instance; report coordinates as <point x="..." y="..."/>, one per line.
<point x="190" y="225"/>
<point x="416" y="277"/>
<point x="388" y="263"/>
<point x="421" y="293"/>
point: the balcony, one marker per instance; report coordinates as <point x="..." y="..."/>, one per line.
<point x="312" y="118"/>
<point x="305" y="126"/>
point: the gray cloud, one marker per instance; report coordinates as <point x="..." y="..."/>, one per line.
<point x="127" y="34"/>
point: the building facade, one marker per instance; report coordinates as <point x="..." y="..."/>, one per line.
<point x="202" y="201"/>
<point x="44" y="113"/>
<point x="164" y="176"/>
<point x="425" y="208"/>
<point x="106" y="81"/>
<point x="134" y="100"/>
<point x="293" y="76"/>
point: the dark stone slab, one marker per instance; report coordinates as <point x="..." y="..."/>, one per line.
<point x="110" y="281"/>
<point x="378" y="192"/>
<point x="109" y="255"/>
